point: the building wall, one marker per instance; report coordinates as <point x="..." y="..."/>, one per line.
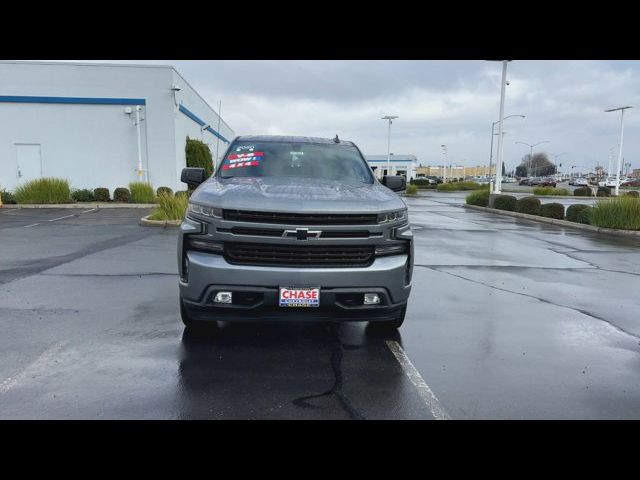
<point x="191" y="113"/>
<point x="95" y="144"/>
<point x="399" y="164"/>
<point x="476" y="171"/>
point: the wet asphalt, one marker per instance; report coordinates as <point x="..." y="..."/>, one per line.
<point x="508" y="319"/>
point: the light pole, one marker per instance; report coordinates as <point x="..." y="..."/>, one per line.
<point x="498" y="188"/>
<point x="555" y="160"/>
<point x="390" y="118"/>
<point x="491" y="153"/>
<point x="531" y="154"/>
<point x="444" y="174"/>
<point x="622" y="109"/>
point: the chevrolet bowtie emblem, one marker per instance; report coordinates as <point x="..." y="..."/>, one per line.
<point x="302" y="233"/>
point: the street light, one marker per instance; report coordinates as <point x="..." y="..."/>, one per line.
<point x="444" y="173"/>
<point x="531" y="154"/>
<point x="390" y="118"/>
<point x="622" y="109"/>
<point x="555" y="161"/>
<point x="501" y="121"/>
<point x="492" y="135"/>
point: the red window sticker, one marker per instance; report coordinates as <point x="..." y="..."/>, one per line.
<point x="241" y="164"/>
<point x="245" y="156"/>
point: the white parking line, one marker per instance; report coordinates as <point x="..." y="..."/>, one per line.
<point x="60" y="218"/>
<point x="87" y="211"/>
<point x="424" y="391"/>
<point x="39" y="366"/>
<point x="32" y="225"/>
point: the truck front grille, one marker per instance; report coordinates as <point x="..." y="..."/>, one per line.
<point x="298" y="255"/>
<point x="300" y="218"/>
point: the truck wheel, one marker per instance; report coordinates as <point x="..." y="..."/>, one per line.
<point x="192" y="324"/>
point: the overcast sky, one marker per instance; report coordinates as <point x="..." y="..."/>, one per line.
<point x="450" y="102"/>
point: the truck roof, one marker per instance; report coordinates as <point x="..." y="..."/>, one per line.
<point x="291" y="139"/>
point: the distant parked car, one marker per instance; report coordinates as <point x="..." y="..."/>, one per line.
<point x="535" y="181"/>
<point x="581" y="182"/>
<point x="633" y="182"/>
<point x="509" y="180"/>
<point x="524" y="181"/>
<point x="547" y="182"/>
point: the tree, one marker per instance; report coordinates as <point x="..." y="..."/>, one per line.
<point x="521" y="171"/>
<point x="198" y="155"/>
<point x="540" y="165"/>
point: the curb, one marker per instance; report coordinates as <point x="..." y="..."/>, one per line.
<point x="99" y="205"/>
<point x="554" y="221"/>
<point x="144" y="221"/>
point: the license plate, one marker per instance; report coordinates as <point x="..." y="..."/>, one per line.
<point x="299" y="297"/>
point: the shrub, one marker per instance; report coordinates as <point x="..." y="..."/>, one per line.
<point x="44" y="190"/>
<point x="604" y="192"/>
<point x="447" y="187"/>
<point x="584" y="215"/>
<point x="165" y="190"/>
<point x="122" y="195"/>
<point x="183" y="193"/>
<point x="619" y="212"/>
<point x="505" y="202"/>
<point x="552" y="210"/>
<point x="630" y="193"/>
<point x="8" y="198"/>
<point x="198" y="155"/>
<point x="101" y="194"/>
<point x="170" y="207"/>
<point x="574" y="210"/>
<point x="141" y="192"/>
<point x="479" y="197"/>
<point x="582" y="192"/>
<point x="411" y="190"/>
<point x="550" y="191"/>
<point x="529" y="205"/>
<point x="82" y="195"/>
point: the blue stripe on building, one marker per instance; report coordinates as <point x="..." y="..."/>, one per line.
<point x="72" y="100"/>
<point x="200" y="122"/>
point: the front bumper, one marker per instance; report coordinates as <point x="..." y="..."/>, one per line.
<point x="209" y="273"/>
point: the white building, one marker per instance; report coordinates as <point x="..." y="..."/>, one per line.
<point x="400" y="165"/>
<point x="79" y="121"/>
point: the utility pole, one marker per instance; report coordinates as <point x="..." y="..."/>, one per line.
<point x="622" y="109"/>
<point x="503" y="85"/>
<point x="390" y="118"/>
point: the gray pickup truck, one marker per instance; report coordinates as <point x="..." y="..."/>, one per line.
<point x="294" y="228"/>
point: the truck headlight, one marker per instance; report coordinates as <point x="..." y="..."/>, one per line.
<point x="392" y="216"/>
<point x="204" y="211"/>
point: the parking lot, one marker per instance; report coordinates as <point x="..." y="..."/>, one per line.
<point x="508" y="319"/>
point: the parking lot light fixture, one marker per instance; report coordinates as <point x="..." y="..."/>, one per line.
<point x="390" y="118"/>
<point x="622" y="109"/>
<point x="531" y="154"/>
<point x="493" y="125"/>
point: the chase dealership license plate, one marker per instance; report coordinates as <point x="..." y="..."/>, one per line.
<point x="299" y="297"/>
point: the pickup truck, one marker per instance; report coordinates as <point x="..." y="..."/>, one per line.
<point x="294" y="228"/>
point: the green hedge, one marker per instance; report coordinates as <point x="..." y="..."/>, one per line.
<point x="505" y="202"/>
<point x="8" y="198"/>
<point x="412" y="190"/>
<point x="618" y="212"/>
<point x="122" y="194"/>
<point x="550" y="191"/>
<point x="479" y="198"/>
<point x="101" y="194"/>
<point x="44" y="190"/>
<point x="458" y="186"/>
<point x="198" y="155"/>
<point x="82" y="195"/>
<point x="630" y="193"/>
<point x="528" y="205"/>
<point x="183" y="193"/>
<point x="552" y="210"/>
<point x="604" y="192"/>
<point x="582" y="192"/>
<point x="170" y="207"/>
<point x="141" y="192"/>
<point x="164" y="191"/>
<point x="584" y="216"/>
<point x="574" y="210"/>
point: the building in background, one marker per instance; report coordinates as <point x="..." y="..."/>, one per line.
<point x="457" y="171"/>
<point x="80" y="122"/>
<point x="400" y="165"/>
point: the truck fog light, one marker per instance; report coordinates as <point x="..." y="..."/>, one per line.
<point x="223" y="297"/>
<point x="371" y="299"/>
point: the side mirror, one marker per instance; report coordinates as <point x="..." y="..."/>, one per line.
<point x="396" y="183"/>
<point x="192" y="176"/>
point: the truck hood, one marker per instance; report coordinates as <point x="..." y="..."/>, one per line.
<point x="306" y="195"/>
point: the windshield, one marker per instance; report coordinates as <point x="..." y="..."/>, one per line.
<point x="289" y="159"/>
